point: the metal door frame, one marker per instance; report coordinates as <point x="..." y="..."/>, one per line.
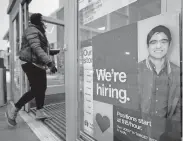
<point x="71" y="69"/>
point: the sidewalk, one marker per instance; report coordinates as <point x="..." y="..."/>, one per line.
<point x="19" y="133"/>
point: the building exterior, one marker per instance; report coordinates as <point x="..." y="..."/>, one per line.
<point x="7" y="51"/>
<point x="98" y="36"/>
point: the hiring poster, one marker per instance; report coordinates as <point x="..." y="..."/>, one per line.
<point x="136" y="81"/>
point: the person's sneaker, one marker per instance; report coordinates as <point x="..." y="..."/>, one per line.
<point x="40" y="114"/>
<point x="11" y="115"/>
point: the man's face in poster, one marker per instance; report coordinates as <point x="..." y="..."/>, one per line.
<point x="158" y="45"/>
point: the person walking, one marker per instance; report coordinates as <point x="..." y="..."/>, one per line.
<point x="35" y="61"/>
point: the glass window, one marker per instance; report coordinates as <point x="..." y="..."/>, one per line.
<point x="60" y="14"/>
<point x="53" y="17"/>
<point x="16" y="71"/>
<point x="44" y="7"/>
<point x="55" y="36"/>
<point x="125" y="95"/>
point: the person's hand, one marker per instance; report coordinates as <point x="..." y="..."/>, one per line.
<point x="52" y="68"/>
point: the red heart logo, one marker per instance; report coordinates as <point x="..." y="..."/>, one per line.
<point x="103" y="122"/>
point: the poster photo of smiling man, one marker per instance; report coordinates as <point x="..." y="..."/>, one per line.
<point x="159" y="82"/>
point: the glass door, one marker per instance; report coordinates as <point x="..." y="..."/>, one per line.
<point x="54" y="104"/>
<point x="55" y="82"/>
<point x="53" y="18"/>
<point x="17" y="75"/>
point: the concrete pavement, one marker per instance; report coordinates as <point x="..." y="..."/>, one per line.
<point x="19" y="133"/>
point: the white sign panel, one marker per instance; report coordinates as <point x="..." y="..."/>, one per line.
<point x="100" y="8"/>
<point x="85" y="3"/>
<point x="88" y="89"/>
<point x="88" y="102"/>
<point x="87" y="57"/>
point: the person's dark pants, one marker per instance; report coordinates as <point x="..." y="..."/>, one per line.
<point x="38" y="84"/>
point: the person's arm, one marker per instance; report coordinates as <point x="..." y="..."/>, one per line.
<point x="33" y="38"/>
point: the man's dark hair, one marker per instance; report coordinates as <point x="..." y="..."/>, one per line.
<point x="159" y="29"/>
<point x="36" y="19"/>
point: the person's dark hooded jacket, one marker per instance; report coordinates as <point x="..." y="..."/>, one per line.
<point x="38" y="44"/>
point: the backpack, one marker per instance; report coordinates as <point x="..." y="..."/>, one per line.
<point x="25" y="53"/>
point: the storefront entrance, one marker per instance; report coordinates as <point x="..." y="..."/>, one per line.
<point x="99" y="89"/>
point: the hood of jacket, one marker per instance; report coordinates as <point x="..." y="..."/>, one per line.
<point x="38" y="27"/>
